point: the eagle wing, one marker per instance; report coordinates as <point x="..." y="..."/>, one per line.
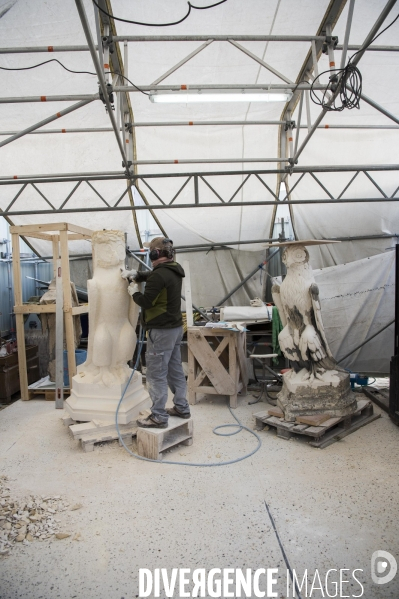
<point x="278" y="303"/>
<point x="314" y="295"/>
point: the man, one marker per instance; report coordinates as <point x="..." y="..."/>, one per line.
<point x="162" y="319"/>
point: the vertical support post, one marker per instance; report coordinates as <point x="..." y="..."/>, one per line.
<point x="56" y="253"/>
<point x="19" y="318"/>
<point x="196" y="193"/>
<point x="298" y="127"/>
<point x="59" y="338"/>
<point x="314" y="58"/>
<point x="187" y="294"/>
<point x="347" y="33"/>
<point x="66" y="286"/>
<point x="307" y="98"/>
<point x="233" y="368"/>
<point x="331" y="58"/>
<point x="105" y="63"/>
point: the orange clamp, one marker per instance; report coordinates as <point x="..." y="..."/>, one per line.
<point x="43" y="99"/>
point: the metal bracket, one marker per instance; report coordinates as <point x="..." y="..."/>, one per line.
<point x="289" y="125"/>
<point x="330" y="41"/>
<point x="109" y="43"/>
<point x="110" y="93"/>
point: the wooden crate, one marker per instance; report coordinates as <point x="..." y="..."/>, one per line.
<point x="152" y="442"/>
<point x="9" y="371"/>
<point x="216" y="363"/>
<point x="323" y="435"/>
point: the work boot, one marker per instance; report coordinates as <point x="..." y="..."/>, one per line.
<point x="175" y="412"/>
<point x="151" y="422"/>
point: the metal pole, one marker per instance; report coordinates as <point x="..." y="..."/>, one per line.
<point x="54" y="117"/>
<point x="59" y="341"/>
<point x="355" y="61"/>
<point x="99" y="40"/>
<point x="379" y="108"/>
<point x="299" y="122"/>
<point x="28" y="99"/>
<point x="364" y="342"/>
<point x="251" y="274"/>
<point x="224" y="243"/>
<point x="192" y="205"/>
<point x="374" y="30"/>
<point x="261" y="62"/>
<point x="92" y="48"/>
<point x="219" y="38"/>
<point x="181" y="63"/>
<point x="347" y="32"/>
<point x="211" y="161"/>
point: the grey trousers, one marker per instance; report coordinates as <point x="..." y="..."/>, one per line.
<point x="164" y="368"/>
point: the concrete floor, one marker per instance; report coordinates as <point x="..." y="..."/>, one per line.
<point x="332" y="508"/>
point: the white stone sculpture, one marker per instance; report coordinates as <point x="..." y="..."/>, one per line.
<point x="315" y="384"/>
<point x="101" y="380"/>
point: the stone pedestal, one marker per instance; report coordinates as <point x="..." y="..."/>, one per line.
<point x="303" y="394"/>
<point x="98" y="402"/>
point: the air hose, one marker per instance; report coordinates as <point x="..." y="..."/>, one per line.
<point x="240" y="427"/>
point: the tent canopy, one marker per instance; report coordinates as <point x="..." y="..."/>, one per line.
<point x="209" y="172"/>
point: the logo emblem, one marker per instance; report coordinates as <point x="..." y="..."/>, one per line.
<point x="383" y="567"/>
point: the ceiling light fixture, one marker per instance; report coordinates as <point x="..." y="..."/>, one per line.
<point x="187" y="97"/>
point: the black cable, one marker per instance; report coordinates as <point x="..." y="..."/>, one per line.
<point x="348" y="80"/>
<point x="71" y="71"/>
<point x="190" y="6"/>
<point x="287" y="563"/>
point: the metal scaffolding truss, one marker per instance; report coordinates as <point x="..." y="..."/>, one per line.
<point x="191" y="183"/>
<point x="115" y="91"/>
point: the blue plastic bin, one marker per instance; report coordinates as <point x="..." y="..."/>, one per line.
<point x="80" y="356"/>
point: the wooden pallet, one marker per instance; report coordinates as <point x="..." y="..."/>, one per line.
<point x="378" y="396"/>
<point x="91" y="433"/>
<point x="49" y="394"/>
<point x="326" y="433"/>
<point x="152" y="442"/>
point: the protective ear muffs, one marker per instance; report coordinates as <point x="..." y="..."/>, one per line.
<point x="167" y="251"/>
<point x="154" y="254"/>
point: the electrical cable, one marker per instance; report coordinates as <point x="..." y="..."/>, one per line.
<point x="72" y="71"/>
<point x="239" y="427"/>
<point x="190" y="7"/>
<point x="348" y="82"/>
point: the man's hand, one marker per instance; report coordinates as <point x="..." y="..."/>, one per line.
<point x="132" y="289"/>
<point x="128" y="274"/>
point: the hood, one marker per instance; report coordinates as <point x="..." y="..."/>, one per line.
<point x="172" y="266"/>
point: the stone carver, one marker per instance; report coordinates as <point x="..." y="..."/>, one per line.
<point x="101" y="380"/>
<point x="162" y="319"/>
<point x="315" y="384"/>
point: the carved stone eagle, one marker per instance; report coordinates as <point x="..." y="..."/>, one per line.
<point x="302" y="339"/>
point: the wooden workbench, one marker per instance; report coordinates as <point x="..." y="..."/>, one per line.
<point x="216" y="363"/>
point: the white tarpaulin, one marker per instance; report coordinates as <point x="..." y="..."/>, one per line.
<point x="357" y="300"/>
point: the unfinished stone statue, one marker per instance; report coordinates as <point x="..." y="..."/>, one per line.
<point x="100" y="381"/>
<point x="315" y="384"/>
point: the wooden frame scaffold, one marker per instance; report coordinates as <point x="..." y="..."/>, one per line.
<point x="59" y="234"/>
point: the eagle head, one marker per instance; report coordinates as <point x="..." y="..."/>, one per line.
<point x="295" y="254"/>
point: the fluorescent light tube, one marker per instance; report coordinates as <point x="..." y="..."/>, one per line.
<point x="230" y="96"/>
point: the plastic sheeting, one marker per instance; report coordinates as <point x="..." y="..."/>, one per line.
<point x="357" y="300"/>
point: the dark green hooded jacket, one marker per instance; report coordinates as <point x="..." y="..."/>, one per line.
<point x="161" y="300"/>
